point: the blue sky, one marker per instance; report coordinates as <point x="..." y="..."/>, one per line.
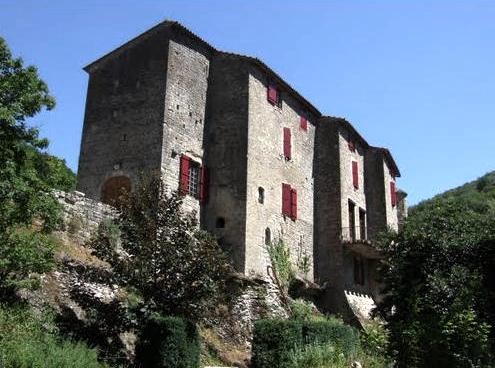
<point x="417" y="77"/>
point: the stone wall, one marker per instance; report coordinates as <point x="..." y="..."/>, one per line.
<point x="375" y="192"/>
<point x="268" y="169"/>
<point x="122" y="130"/>
<point x="82" y="215"/>
<point x="392" y="220"/>
<point x="184" y="115"/>
<point x="348" y="191"/>
<point x="226" y="155"/>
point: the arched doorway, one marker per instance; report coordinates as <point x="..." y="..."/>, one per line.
<point x="114" y="188"/>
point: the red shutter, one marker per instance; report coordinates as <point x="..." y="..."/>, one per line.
<point x="293" y="201"/>
<point x="203" y="185"/>
<point x="272" y="94"/>
<point x="393" y="194"/>
<point x="355" y="174"/>
<point x="304" y="124"/>
<point x="286" y="200"/>
<point x="287" y="145"/>
<point x="184" y="175"/>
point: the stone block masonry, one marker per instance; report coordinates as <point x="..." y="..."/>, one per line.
<point x="82" y="215"/>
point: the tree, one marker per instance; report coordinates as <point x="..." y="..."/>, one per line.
<point x="24" y="195"/>
<point x="176" y="268"/>
<point x="439" y="294"/>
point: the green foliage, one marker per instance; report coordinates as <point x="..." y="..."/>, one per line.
<point x="176" y="268"/>
<point x="318" y="356"/>
<point x="27" y="176"/>
<point x="332" y="331"/>
<point x="168" y="342"/>
<point x="23" y="254"/>
<point x="478" y="196"/>
<point x="375" y="339"/>
<point x="303" y="310"/>
<point x="27" y="342"/>
<point x="52" y="170"/>
<point x="279" y="255"/>
<point x="273" y="341"/>
<point x="24" y="195"/>
<point x="278" y="343"/>
<point x="439" y="296"/>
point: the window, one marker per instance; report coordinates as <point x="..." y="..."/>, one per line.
<point x="289" y="201"/>
<point x="362" y="224"/>
<point x="261" y="195"/>
<point x="355" y="175"/>
<point x="304" y="124"/>
<point x="193" y="179"/>
<point x="393" y="194"/>
<point x="273" y="95"/>
<point x="268" y="236"/>
<point x="220" y="223"/>
<point x="193" y="188"/>
<point x="358" y="270"/>
<point x="351" y="146"/>
<point x="352" y="221"/>
<point x="287" y="144"/>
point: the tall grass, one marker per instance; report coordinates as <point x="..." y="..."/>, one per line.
<point x="30" y="342"/>
<point x="332" y="356"/>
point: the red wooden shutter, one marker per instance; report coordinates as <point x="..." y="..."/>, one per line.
<point x="355" y="174"/>
<point x="287" y="145"/>
<point x="184" y="175"/>
<point x="272" y="94"/>
<point x="203" y="185"/>
<point x="286" y="200"/>
<point x="293" y="201"/>
<point x="304" y="124"/>
<point x="393" y="194"/>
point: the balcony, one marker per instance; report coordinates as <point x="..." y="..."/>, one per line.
<point x="355" y="239"/>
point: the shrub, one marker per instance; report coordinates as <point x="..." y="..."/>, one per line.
<point x="374" y="338"/>
<point x="26" y="342"/>
<point x="168" y="342"/>
<point x="24" y="253"/>
<point x="157" y="249"/>
<point x="332" y="331"/>
<point x="273" y="342"/>
<point x="303" y="310"/>
<point x="276" y="342"/>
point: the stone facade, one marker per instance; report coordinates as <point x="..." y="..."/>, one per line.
<point x="168" y="94"/>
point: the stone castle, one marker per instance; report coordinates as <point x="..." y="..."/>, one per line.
<point x="253" y="158"/>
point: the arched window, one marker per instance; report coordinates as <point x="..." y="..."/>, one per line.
<point x="113" y="189"/>
<point x="261" y="195"/>
<point x="268" y="236"/>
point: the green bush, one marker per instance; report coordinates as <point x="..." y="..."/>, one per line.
<point x="27" y="342"/>
<point x="273" y="342"/>
<point x="23" y="254"/>
<point x="276" y="342"/>
<point x="374" y="338"/>
<point x="168" y="342"/>
<point x="332" y="331"/>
